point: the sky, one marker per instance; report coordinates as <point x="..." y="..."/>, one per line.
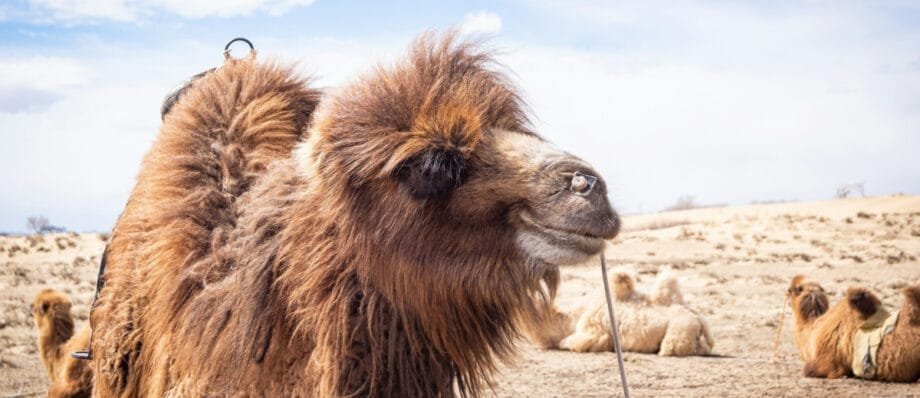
<point x="729" y="102"/>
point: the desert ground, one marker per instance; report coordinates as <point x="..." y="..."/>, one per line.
<point x="734" y="264"/>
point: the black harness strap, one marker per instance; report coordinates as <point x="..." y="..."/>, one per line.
<point x="87" y="354"/>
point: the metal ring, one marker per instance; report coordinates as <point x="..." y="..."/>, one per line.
<point x="242" y="39"/>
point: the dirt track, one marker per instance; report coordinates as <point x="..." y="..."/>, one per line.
<point x="734" y="265"/>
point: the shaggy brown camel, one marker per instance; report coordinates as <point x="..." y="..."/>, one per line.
<point x="390" y="254"/>
<point x="69" y="377"/>
<point x="828" y="342"/>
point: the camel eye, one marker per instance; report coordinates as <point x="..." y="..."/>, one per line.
<point x="582" y="184"/>
<point x="798" y="290"/>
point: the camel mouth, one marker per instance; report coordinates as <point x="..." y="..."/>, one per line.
<point x="556" y="245"/>
<point x="559" y="232"/>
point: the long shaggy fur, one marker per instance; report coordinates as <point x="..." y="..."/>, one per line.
<point x="338" y="271"/>
<point x="654" y="322"/>
<point x="545" y="325"/>
<point x="825" y="336"/>
<point x="56" y="340"/>
<point x="182" y="273"/>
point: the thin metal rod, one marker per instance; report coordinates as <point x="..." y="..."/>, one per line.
<point x="614" y="330"/>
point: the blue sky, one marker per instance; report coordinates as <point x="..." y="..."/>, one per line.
<point x="731" y="102"/>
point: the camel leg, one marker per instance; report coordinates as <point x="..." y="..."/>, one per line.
<point x="685" y="335"/>
<point x="586" y="342"/>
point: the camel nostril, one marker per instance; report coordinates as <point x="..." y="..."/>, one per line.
<point x="582" y="184"/>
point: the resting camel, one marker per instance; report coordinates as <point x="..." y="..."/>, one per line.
<point x="857" y="336"/>
<point x="56" y="340"/>
<point x="382" y="242"/>
<point x="654" y="322"/>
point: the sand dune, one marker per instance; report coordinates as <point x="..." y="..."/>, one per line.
<point x="734" y="264"/>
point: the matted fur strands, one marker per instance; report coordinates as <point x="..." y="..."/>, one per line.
<point x="168" y="102"/>
<point x="383" y="242"/>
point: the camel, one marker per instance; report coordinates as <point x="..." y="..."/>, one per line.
<point x="56" y="340"/>
<point x="384" y="241"/>
<point x="838" y="341"/>
<point x="654" y="322"/>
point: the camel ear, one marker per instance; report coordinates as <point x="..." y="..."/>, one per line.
<point x="432" y="174"/>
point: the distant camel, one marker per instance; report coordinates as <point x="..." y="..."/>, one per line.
<point x="856" y="336"/>
<point x="654" y="322"/>
<point x="56" y="340"/>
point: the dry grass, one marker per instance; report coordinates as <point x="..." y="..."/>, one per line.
<point x="652" y="225"/>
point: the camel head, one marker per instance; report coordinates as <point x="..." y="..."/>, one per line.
<point x="51" y="313"/>
<point x="808" y="299"/>
<point x="557" y="203"/>
<point x="436" y="152"/>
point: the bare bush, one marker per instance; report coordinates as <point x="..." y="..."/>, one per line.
<point x="654" y="225"/>
<point x="685" y="202"/>
<point x="843" y="192"/>
<point x="41" y="225"/>
<point x="846" y="190"/>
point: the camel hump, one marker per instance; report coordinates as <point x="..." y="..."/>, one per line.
<point x="912" y="294"/>
<point x="230" y="123"/>
<point x="217" y="139"/>
<point x="666" y="290"/>
<point x="863" y="301"/>
<point x="911" y="306"/>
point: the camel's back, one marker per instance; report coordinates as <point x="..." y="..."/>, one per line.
<point x="215" y="143"/>
<point x="899" y="352"/>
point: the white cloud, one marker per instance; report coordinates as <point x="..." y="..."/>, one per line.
<point x="75" y="159"/>
<point x="132" y="10"/>
<point x="481" y="22"/>
<point x="736" y="105"/>
<point x="227" y="8"/>
<point x="33" y="84"/>
<point x="71" y="10"/>
<point x="42" y="72"/>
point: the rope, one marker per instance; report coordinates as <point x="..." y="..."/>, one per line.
<point x="779" y="330"/>
<point x="613" y="327"/>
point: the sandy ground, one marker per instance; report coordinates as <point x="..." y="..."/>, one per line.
<point x="734" y="265"/>
<point x="67" y="262"/>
